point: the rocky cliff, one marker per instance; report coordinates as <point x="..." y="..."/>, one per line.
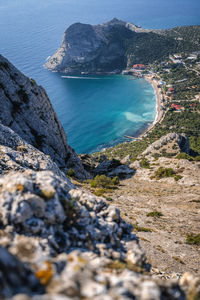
<point x="93" y="49"/>
<point x="26" y="109"/>
<point x="114" y="45"/>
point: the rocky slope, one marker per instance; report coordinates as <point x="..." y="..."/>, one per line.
<point x="164" y="207"/>
<point x="26" y="109"/>
<point x="114" y="45"/>
<point x="60" y="242"/>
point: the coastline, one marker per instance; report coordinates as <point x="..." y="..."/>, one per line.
<point x="159" y="112"/>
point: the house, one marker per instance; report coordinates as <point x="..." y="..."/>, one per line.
<point x="176" y="107"/>
<point x="139" y="67"/>
<point x="170" y="90"/>
<point x="193" y="105"/>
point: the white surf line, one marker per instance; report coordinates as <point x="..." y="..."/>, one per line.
<point x="77" y="77"/>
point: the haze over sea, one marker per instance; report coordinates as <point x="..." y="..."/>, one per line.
<point x="97" y="111"/>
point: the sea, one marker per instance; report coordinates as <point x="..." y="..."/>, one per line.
<point x="95" y="111"/>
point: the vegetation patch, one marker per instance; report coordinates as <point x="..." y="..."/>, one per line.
<point x="184" y="155"/>
<point x="177" y="177"/>
<point x="154" y="214"/>
<point x="138" y="228"/>
<point x="109" y="199"/>
<point x="144" y="163"/>
<point x="164" y="172"/>
<point x="193" y="239"/>
<point x="102" y="181"/>
<point x="70" y="173"/>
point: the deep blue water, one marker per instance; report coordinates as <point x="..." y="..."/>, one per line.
<point x="94" y="112"/>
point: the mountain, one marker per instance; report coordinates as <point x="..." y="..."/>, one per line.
<point x="115" y="45"/>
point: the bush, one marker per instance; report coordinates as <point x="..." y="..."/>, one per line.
<point x="184" y="155"/>
<point x="144" y="163"/>
<point x="197" y="158"/>
<point x="141" y="228"/>
<point x="164" y="172"/>
<point x="155" y="214"/>
<point x="115" y="180"/>
<point x="177" y="177"/>
<point x="193" y="239"/>
<point x="101" y="181"/>
<point x="100" y="192"/>
<point x="70" y="173"/>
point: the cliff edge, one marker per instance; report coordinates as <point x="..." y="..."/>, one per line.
<point x="27" y="110"/>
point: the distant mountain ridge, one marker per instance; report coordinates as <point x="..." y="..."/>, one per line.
<point x="115" y="45"/>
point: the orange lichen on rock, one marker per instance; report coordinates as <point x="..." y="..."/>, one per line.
<point x="45" y="275"/>
<point x="20" y="187"/>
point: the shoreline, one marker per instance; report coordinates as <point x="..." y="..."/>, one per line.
<point x="159" y="112"/>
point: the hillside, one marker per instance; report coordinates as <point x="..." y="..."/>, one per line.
<point x="115" y="45"/>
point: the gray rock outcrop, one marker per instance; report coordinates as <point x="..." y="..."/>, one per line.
<point x="172" y="143"/>
<point x="72" y="242"/>
<point x="27" y="110"/>
<point x="94" y="49"/>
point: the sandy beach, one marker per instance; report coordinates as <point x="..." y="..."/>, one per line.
<point x="159" y="111"/>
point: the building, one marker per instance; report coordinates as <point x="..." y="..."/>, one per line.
<point x="139" y="67"/>
<point x="170" y="90"/>
<point x="176" y="107"/>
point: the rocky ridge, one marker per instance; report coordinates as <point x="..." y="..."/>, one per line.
<point x="58" y="241"/>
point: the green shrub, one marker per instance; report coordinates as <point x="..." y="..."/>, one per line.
<point x="164" y="172"/>
<point x="115" y="180"/>
<point x="177" y="177"/>
<point x="141" y="229"/>
<point x="144" y="163"/>
<point x="100" y="192"/>
<point x="109" y="199"/>
<point x="193" y="239"/>
<point x="70" y="173"/>
<point x="102" y="181"/>
<point x="184" y="155"/>
<point x="155" y="214"/>
<point x="197" y="158"/>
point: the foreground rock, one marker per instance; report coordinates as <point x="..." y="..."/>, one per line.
<point x="27" y="110"/>
<point x="99" y="256"/>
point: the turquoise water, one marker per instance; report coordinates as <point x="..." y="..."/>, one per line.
<point x="96" y="112"/>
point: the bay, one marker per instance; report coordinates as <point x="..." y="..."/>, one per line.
<point x="95" y="112"/>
